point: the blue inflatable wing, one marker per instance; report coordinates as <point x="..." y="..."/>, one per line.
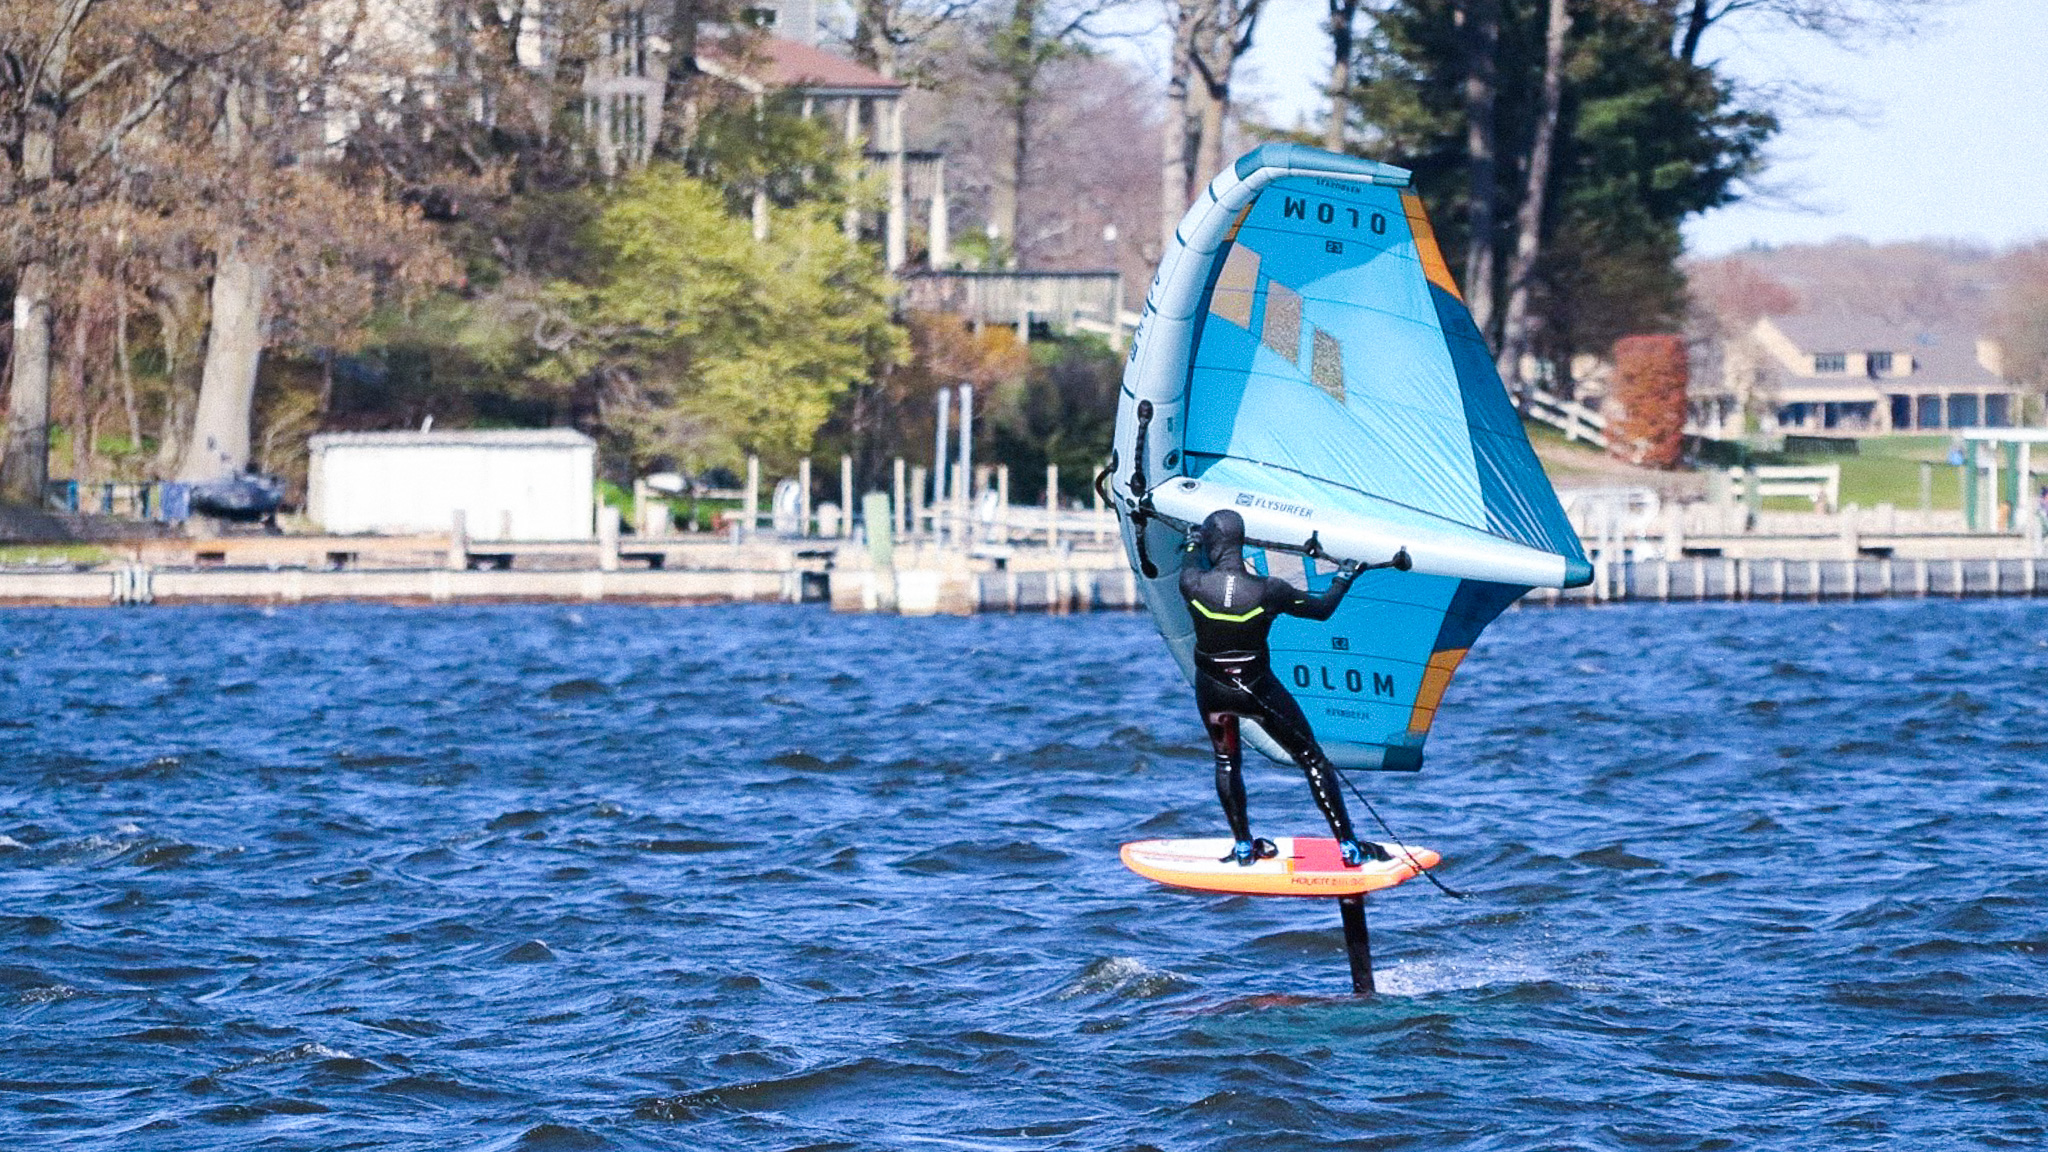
<point x="1305" y="359"/>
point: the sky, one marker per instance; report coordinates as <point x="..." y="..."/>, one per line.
<point x="1949" y="139"/>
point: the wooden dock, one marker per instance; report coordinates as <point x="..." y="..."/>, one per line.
<point x="142" y="584"/>
<point x="929" y="591"/>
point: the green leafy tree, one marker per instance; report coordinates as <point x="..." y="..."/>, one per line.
<point x="693" y="342"/>
<point x="770" y="147"/>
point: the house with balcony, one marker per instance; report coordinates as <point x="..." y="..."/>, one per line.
<point x="1853" y="375"/>
<point x="774" y="48"/>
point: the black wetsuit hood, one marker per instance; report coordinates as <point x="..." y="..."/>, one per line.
<point x="1223" y="539"/>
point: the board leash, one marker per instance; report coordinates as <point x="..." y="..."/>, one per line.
<point x="1446" y="889"/>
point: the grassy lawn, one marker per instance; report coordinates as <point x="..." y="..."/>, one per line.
<point x="52" y="555"/>
<point x="1544" y="436"/>
<point x="1882" y="470"/>
<point x="1574" y="461"/>
<point x="1887" y="470"/>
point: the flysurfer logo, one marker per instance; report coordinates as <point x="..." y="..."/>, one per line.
<point x="1250" y="500"/>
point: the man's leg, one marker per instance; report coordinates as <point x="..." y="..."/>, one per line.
<point x="1223" y="738"/>
<point x="1286" y="724"/>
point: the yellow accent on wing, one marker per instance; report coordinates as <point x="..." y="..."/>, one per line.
<point x="1433" y="265"/>
<point x="1436" y="676"/>
<point x="1237" y="619"/>
<point x="1243" y="214"/>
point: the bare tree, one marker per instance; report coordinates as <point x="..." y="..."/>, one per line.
<point x="293" y="245"/>
<point x="2020" y="321"/>
<point x="37" y="67"/>
<point x="1835" y="19"/>
<point x="680" y="73"/>
<point x="1077" y="204"/>
<point x="1515" y="324"/>
<point x="76" y="79"/>
<point x="1910" y="284"/>
<point x="249" y="128"/>
<point x="897" y="37"/>
<point x="1034" y="36"/>
<point x="1478" y="22"/>
<point x="1342" y="26"/>
<point x="1210" y="37"/>
<point x="1180" y="132"/>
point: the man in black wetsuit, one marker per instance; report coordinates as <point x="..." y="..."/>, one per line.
<point x="1233" y="610"/>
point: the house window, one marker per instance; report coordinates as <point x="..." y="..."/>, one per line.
<point x="763" y="18"/>
<point x="1826" y="362"/>
<point x="629" y="43"/>
<point x="1962" y="412"/>
<point x="1997" y="411"/>
<point x="1928" y="412"/>
<point x="1880" y="363"/>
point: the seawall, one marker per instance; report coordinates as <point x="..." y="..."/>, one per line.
<point x="957" y="589"/>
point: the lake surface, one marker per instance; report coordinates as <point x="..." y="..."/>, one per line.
<point x="1743" y="877"/>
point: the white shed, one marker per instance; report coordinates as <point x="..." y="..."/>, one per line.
<point x="537" y="484"/>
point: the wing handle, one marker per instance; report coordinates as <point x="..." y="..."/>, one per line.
<point x="1137" y="481"/>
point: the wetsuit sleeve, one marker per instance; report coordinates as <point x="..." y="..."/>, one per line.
<point x="1315" y="607"/>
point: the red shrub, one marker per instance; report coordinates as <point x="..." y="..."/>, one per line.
<point x="1650" y="378"/>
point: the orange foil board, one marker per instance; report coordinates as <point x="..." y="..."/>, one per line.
<point x="1306" y="866"/>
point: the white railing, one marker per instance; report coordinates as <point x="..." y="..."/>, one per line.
<point x="1613" y="513"/>
<point x="1117" y="333"/>
<point x="1574" y="419"/>
<point x="1008" y="297"/>
<point x="1617" y="522"/>
<point x="1820" y="483"/>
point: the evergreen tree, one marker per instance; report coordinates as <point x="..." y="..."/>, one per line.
<point x="1643" y="140"/>
<point x="1063" y="412"/>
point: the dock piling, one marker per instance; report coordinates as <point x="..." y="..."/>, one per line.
<point x="803" y="488"/>
<point x="846" y="499"/>
<point x="916" y="508"/>
<point x="903" y="517"/>
<point x="458" y="541"/>
<point x="1052" y="506"/>
<point x="750" y="512"/>
<point x="608" y="538"/>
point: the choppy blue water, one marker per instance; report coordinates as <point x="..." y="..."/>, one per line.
<point x="1764" y="877"/>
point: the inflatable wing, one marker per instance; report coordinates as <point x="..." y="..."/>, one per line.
<point x="1305" y="359"/>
